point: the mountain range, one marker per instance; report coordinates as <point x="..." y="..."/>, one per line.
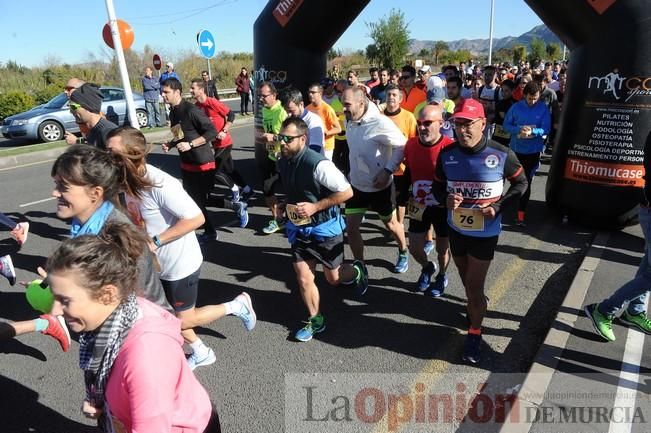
<point x="480" y="46"/>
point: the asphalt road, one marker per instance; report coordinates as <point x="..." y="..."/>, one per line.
<point x="391" y="332"/>
<point x="6" y="143"/>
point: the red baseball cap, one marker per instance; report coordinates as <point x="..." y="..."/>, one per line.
<point x="468" y="109"/>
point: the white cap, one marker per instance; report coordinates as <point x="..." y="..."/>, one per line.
<point x="433" y="82"/>
<point x="170" y="65"/>
<point x="425" y="68"/>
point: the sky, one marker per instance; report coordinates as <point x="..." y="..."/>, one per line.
<point x="69" y="31"/>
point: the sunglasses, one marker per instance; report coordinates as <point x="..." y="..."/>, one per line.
<point x="427" y="123"/>
<point x="74" y="106"/>
<point x="465" y="125"/>
<point x="287" y="138"/>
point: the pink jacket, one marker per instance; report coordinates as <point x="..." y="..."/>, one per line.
<point x="151" y="389"/>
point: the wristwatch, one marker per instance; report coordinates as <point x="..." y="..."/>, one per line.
<point x="156" y="240"/>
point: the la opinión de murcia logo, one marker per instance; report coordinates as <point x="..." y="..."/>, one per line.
<point x="617" y="86"/>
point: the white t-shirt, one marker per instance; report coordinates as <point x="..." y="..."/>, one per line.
<point x="329" y="176"/>
<point x="160" y="208"/>
<point x="316" y="130"/>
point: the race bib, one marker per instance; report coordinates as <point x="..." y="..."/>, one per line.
<point x="501" y="132"/>
<point x="292" y="213"/>
<point x="415" y="210"/>
<point x="177" y="132"/>
<point x="468" y="219"/>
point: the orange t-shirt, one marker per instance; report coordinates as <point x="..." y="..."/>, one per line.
<point x="406" y="123"/>
<point x="330" y="120"/>
<point x="413" y="98"/>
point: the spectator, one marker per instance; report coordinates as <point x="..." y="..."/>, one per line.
<point x="209" y="85"/>
<point x="151" y="92"/>
<point x="243" y="88"/>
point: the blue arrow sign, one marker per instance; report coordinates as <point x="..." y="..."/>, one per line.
<point x="206" y="43"/>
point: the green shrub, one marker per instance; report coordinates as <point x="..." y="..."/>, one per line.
<point x="14" y="102"/>
<point x="41" y="96"/>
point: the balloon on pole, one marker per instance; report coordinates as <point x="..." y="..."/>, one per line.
<point x="126" y="34"/>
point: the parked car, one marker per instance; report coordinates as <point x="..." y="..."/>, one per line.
<point x="50" y="121"/>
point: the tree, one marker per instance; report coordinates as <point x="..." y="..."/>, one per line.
<point x="424" y="52"/>
<point x="503" y="55"/>
<point x="372" y="53"/>
<point x="332" y="53"/>
<point x="553" y="51"/>
<point x="537" y="52"/>
<point x="519" y="53"/>
<point x="391" y="38"/>
<point x="439" y="47"/>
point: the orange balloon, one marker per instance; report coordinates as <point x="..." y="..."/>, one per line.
<point x="126" y="34"/>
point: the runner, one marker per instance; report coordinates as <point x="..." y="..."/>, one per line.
<point x="328" y="116"/>
<point x="469" y="178"/>
<point x="412" y="95"/>
<point x="376" y="151"/>
<point x="636" y="291"/>
<point x="315" y="189"/>
<point x="292" y="102"/>
<point x="267" y="150"/>
<point x="170" y="218"/>
<point x="222" y="119"/>
<point x="135" y="374"/>
<point x="425" y="211"/>
<point x="528" y="121"/>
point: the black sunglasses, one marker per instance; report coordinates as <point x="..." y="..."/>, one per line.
<point x="287" y="138"/>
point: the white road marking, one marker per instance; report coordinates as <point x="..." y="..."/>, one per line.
<point x="36" y="202"/>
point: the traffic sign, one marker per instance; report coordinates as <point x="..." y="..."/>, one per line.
<point x="158" y="63"/>
<point x="206" y="43"/>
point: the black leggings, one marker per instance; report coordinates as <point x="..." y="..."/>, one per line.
<point x="244" y="102"/>
<point x="530" y="163"/>
<point x="226" y="172"/>
<point x="198" y="185"/>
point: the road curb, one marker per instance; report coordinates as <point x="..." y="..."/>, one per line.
<point x="540" y="374"/>
<point x="42" y="156"/>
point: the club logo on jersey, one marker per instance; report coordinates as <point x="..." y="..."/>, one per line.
<point x="491" y="161"/>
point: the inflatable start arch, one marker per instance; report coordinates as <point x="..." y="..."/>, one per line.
<point x="596" y="172"/>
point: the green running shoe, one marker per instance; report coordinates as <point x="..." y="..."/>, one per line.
<point x="602" y="324"/>
<point x="639" y="321"/>
<point x="314" y="325"/>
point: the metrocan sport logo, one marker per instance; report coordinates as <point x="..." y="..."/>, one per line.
<point x="618" y="86"/>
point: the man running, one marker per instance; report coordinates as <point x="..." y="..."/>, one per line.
<point x="315" y="188"/>
<point x="421" y="154"/>
<point x="328" y="116"/>
<point x="376" y="151"/>
<point x="470" y="178"/>
<point x="267" y="150"/>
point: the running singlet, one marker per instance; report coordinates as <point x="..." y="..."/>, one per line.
<point x="421" y="161"/>
<point x="479" y="177"/>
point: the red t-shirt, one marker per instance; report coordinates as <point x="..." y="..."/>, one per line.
<point x="217" y="112"/>
<point x="421" y="161"/>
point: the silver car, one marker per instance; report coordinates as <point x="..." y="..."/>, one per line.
<point x="50" y="121"/>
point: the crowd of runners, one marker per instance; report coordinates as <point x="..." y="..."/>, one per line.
<point x="431" y="148"/>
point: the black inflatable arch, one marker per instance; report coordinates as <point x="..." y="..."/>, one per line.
<point x="596" y="170"/>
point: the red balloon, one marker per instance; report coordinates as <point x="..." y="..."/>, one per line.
<point x="126" y="34"/>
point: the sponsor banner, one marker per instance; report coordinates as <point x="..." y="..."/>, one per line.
<point x="583" y="170"/>
<point x="285" y="10"/>
<point x="611" y="143"/>
<point x="394" y="402"/>
<point x="601" y="5"/>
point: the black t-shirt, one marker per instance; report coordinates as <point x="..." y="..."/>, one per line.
<point x="97" y="135"/>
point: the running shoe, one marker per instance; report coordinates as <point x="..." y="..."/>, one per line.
<point x="246" y="312"/>
<point x="361" y="281"/>
<point x="205" y="238"/>
<point x="240" y="209"/>
<point x="429" y="247"/>
<point x="602" y="323"/>
<point x="272" y="227"/>
<point x="472" y="350"/>
<point x="314" y="325"/>
<point x="440" y="284"/>
<point x="403" y="262"/>
<point x="235" y="195"/>
<point x="19" y="233"/>
<point x="195" y="360"/>
<point x="247" y="195"/>
<point x="7" y="269"/>
<point x="639" y="321"/>
<point x="520" y="219"/>
<point x="425" y="277"/>
<point x="58" y="330"/>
